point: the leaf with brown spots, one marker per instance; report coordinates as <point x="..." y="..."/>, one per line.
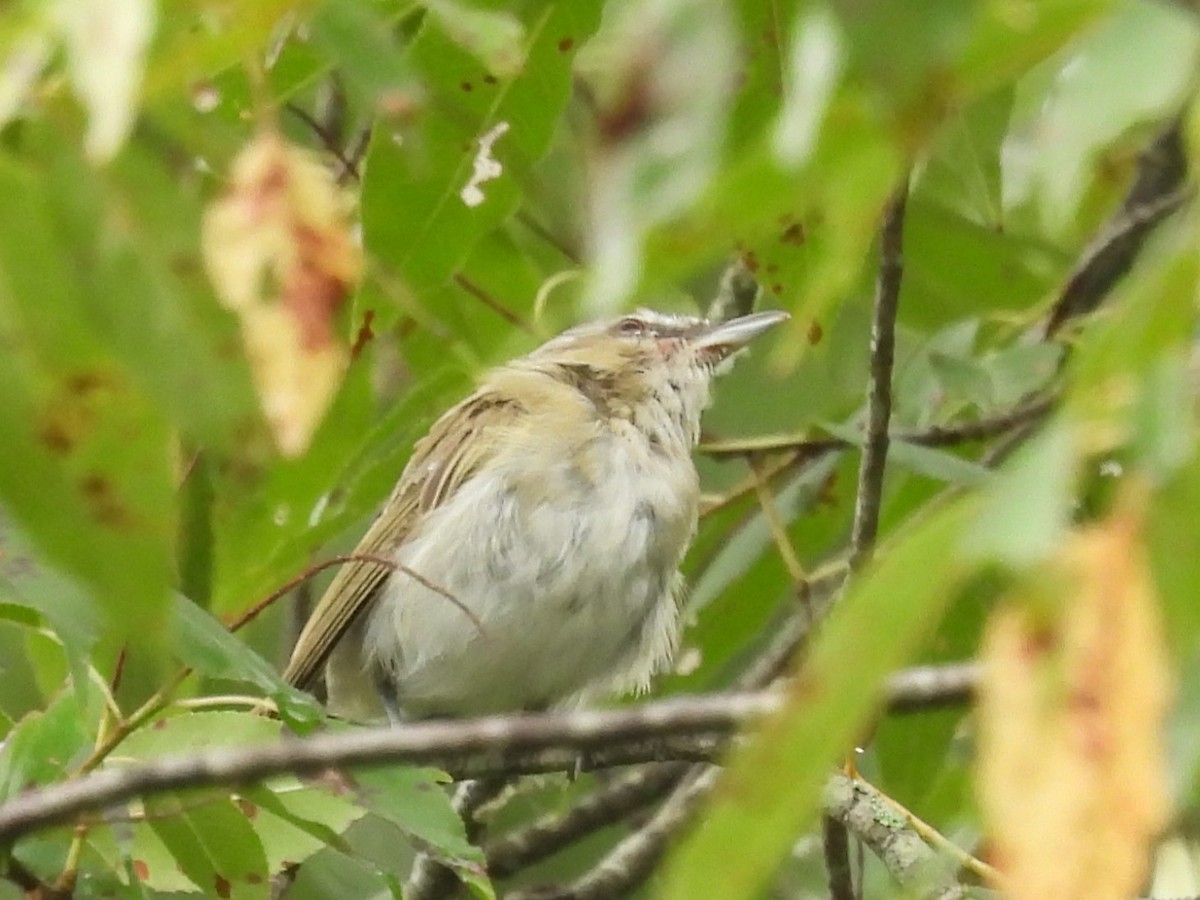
<point x="214" y="844"/>
<point x="279" y="252"/>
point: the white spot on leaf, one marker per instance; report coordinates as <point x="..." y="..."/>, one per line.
<point x="485" y="168"/>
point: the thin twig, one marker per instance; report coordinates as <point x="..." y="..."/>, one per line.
<point x="934" y="838"/>
<point x="777" y="527"/>
<point x="493" y="304"/>
<point x="253" y="612"/>
<point x="330" y="142"/>
<point x="835" y="842"/>
<point x="990" y="426"/>
<point x="879" y="391"/>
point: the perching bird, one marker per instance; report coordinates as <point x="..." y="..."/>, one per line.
<point x="555" y="504"/>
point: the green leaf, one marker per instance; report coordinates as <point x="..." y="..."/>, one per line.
<point x="928" y="461"/>
<point x="213" y="845"/>
<point x="294" y="822"/>
<point x="414" y="217"/>
<point x="494" y="37"/>
<point x="65" y="604"/>
<point x="360" y="42"/>
<point x="197" y="731"/>
<point x="84" y="459"/>
<point x="1027" y="508"/>
<point x="205" y="645"/>
<point x="415" y="800"/>
<point x="43" y="744"/>
<point x="772" y="789"/>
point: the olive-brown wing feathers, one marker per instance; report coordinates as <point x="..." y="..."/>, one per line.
<point x="442" y="462"/>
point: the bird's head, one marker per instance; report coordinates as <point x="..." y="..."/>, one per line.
<point x="650" y="366"/>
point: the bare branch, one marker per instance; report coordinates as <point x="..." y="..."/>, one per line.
<point x="693" y="728"/>
<point x="907" y="858"/>
<point x="879" y="391"/>
<point x="457" y="746"/>
<point x="911" y="690"/>
<point x="1158" y="190"/>
<point x="633" y="859"/>
<point x="627" y="793"/>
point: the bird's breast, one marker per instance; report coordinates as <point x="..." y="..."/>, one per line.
<point x="566" y="552"/>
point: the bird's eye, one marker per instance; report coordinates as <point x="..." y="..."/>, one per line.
<point x="631" y="325"/>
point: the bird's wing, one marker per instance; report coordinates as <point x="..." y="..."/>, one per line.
<point x="442" y="462"/>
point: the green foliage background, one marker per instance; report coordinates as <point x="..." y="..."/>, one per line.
<point x="650" y="142"/>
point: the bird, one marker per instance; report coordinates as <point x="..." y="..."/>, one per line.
<point x="528" y="557"/>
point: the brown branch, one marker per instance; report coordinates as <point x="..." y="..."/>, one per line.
<point x="1158" y="190"/>
<point x="466" y="748"/>
<point x="869" y="496"/>
<point x="692" y="728"/>
<point x="634" y="858"/>
<point x="908" y="691"/>
<point x="879" y="390"/>
<point x="329" y="141"/>
<point x="627" y="793"/>
<point x="934" y="436"/>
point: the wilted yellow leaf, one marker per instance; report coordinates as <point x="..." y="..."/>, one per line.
<point x="1071" y="757"/>
<point x="279" y="253"/>
<point x="106" y="44"/>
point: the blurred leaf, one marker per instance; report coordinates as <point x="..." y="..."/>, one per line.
<point x="929" y="461"/>
<point x="1072" y="703"/>
<point x="1134" y="67"/>
<point x="496" y="38"/>
<point x="278" y="249"/>
<point x="358" y="38"/>
<point x="773" y="787"/>
<point x="1027" y="507"/>
<point x="197" y="731"/>
<point x="958" y="267"/>
<point x="84" y="459"/>
<point x="26" y="45"/>
<point x="106" y="44"/>
<point x="964" y="171"/>
<point x="196" y="531"/>
<point x="293" y="823"/>
<point x="660" y="129"/>
<point x="62" y="601"/>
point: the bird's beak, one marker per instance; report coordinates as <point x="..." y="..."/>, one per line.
<point x="722" y="339"/>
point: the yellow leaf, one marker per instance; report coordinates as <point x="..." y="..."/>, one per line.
<point x="1071" y="760"/>
<point x="280" y="254"/>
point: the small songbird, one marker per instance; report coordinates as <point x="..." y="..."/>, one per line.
<point x="553" y="506"/>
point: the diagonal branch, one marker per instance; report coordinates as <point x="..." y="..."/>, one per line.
<point x="1158" y="190"/>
